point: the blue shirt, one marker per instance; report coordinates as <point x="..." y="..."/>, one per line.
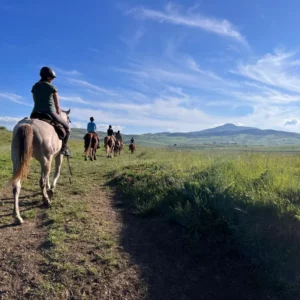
<point x="91" y="127"/>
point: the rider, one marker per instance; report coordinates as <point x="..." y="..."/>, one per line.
<point x="92" y="128"/>
<point x="132" y="140"/>
<point x="45" y="97"/>
<point x="110" y="131"/>
<point x="119" y="137"/>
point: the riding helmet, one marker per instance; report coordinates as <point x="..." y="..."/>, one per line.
<point x="47" y="72"/>
<point x="91" y="119"/>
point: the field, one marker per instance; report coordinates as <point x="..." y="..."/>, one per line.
<point x="162" y="223"/>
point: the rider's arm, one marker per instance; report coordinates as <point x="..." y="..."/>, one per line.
<point x="56" y="102"/>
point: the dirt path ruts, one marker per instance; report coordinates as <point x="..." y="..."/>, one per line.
<point x="154" y="260"/>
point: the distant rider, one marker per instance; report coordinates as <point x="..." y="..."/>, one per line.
<point x="92" y="128"/>
<point x="119" y="138"/>
<point x="132" y="140"/>
<point x="110" y="132"/>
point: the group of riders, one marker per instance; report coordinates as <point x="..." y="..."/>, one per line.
<point x="46" y="101"/>
<point x="92" y="128"/>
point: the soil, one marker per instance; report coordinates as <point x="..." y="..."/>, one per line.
<point x="156" y="260"/>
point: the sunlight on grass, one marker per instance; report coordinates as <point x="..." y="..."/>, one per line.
<point x="251" y="198"/>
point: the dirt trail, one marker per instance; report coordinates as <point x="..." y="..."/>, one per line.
<point x="148" y="260"/>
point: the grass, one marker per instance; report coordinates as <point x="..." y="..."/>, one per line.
<point x="251" y="199"/>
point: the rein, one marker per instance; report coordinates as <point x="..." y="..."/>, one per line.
<point x="70" y="170"/>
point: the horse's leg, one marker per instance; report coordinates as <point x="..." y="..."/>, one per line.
<point x="48" y="174"/>
<point x="45" y="172"/>
<point x="16" y="192"/>
<point x="95" y="150"/>
<point x="58" y="164"/>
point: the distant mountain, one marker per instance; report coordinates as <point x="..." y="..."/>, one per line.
<point x="227" y="133"/>
<point x="229" y="130"/>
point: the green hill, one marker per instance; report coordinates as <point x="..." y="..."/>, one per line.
<point x="228" y="134"/>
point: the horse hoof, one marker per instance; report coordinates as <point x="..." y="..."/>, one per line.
<point x="50" y="193"/>
<point x="46" y="203"/>
<point x="19" y="221"/>
<point x="85" y="159"/>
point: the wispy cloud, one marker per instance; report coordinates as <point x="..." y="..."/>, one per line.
<point x="91" y="86"/>
<point x="134" y="39"/>
<point x="280" y="69"/>
<point x="95" y="50"/>
<point x="172" y="15"/>
<point x="67" y="72"/>
<point x="73" y="99"/>
<point x="9" y="122"/>
<point x="192" y="64"/>
<point x="14" y="98"/>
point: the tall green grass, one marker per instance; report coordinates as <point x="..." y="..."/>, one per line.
<point x="252" y="199"/>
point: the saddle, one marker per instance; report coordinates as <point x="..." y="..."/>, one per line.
<point x="59" y="129"/>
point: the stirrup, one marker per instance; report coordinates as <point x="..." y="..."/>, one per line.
<point x="65" y="151"/>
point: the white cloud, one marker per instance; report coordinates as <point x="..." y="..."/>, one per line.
<point x="9" y="122"/>
<point x="134" y="39"/>
<point x="192" y="64"/>
<point x="14" y="98"/>
<point x="95" y="50"/>
<point x="172" y="15"/>
<point x="67" y="72"/>
<point x="73" y="99"/>
<point x="78" y="125"/>
<point x="280" y="69"/>
<point x="91" y="86"/>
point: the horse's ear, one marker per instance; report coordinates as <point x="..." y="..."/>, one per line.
<point x="68" y="111"/>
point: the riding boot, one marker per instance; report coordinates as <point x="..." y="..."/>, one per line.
<point x="64" y="148"/>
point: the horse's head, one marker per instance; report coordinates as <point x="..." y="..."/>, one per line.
<point x="65" y="115"/>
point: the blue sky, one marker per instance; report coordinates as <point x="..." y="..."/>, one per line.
<point x="151" y="66"/>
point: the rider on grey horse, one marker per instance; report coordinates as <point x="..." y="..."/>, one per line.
<point x="45" y="96"/>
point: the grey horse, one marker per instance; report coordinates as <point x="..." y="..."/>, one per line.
<point x="38" y="139"/>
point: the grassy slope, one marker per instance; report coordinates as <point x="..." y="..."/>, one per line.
<point x="252" y="199"/>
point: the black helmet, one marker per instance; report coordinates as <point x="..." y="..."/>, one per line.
<point x="91" y="119"/>
<point x="118" y="131"/>
<point x="47" y="72"/>
<point x="109" y="126"/>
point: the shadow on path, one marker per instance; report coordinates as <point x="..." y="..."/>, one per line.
<point x="175" y="267"/>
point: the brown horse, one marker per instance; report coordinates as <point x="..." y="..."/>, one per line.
<point x="90" y="146"/>
<point x="132" y="148"/>
<point x="109" y="145"/>
<point x="118" y="146"/>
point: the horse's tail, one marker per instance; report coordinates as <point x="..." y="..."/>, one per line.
<point x="87" y="151"/>
<point x="22" y="141"/>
